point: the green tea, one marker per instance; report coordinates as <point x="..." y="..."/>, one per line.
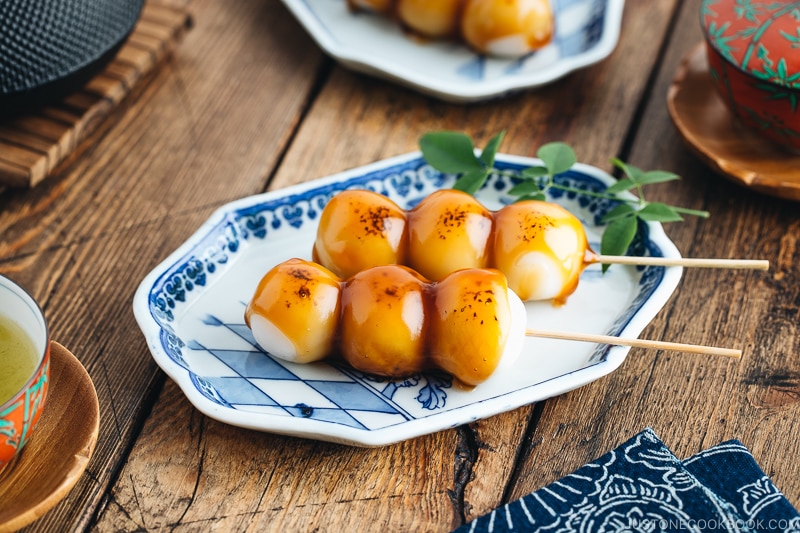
<point x="18" y="358"/>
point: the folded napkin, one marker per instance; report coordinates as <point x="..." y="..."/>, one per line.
<point x="642" y="486"/>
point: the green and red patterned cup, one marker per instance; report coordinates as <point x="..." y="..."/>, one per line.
<point x="753" y="50"/>
<point x="24" y="368"/>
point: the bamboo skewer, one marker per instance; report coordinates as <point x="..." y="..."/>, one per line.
<point x="638" y="343"/>
<point x="755" y="264"/>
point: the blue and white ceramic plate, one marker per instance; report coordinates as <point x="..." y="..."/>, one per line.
<point x="586" y="32"/>
<point x="191" y="308"/>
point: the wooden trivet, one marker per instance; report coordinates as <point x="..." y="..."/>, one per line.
<point x="33" y="146"/>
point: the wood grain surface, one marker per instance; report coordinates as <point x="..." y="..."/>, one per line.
<point x="249" y="103"/>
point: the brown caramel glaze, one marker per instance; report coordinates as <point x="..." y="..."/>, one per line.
<point x="447" y="231"/>
<point x="472" y="325"/>
<point x="383" y="325"/>
<point x="435" y="19"/>
<point x="388" y="321"/>
<point x="487" y="23"/>
<point x="541" y="249"/>
<point x="301" y="299"/>
<point x="540" y="246"/>
<point x="359" y="229"/>
<point x="479" y="24"/>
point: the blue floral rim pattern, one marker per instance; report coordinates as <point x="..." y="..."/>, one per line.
<point x="326" y="393"/>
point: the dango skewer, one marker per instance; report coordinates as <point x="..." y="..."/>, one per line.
<point x="636" y="343"/>
<point x="390" y="321"/>
<point x="691" y="262"/>
<point x="541" y="247"/>
<point x="504" y="28"/>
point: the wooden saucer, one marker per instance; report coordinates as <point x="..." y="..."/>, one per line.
<point x="57" y="454"/>
<point x="721" y="140"/>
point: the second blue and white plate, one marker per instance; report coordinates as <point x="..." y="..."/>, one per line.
<point x="191" y="311"/>
<point x="586" y="31"/>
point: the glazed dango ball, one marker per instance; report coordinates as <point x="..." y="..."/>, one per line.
<point x="507" y="27"/>
<point x="294" y="310"/>
<point x="389" y="320"/>
<point x="478" y="318"/>
<point x="542" y="249"/>
<point x="540" y="246"/>
<point x="382" y="328"/>
<point x="447" y="231"/>
<point x="359" y="229"/>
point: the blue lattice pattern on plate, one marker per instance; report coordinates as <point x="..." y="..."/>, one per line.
<point x="346" y="397"/>
<point x="191" y="310"/>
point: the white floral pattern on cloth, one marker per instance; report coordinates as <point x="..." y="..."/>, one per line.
<point x="642" y="486"/>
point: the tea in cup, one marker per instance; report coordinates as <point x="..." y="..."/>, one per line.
<point x="24" y="367"/>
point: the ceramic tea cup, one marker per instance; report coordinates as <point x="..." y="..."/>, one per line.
<point x="24" y="368"/>
<point x="754" y="62"/>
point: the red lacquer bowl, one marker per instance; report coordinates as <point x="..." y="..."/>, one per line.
<point x="20" y="414"/>
<point x="753" y="53"/>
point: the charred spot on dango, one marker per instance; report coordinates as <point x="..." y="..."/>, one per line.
<point x="375" y="220"/>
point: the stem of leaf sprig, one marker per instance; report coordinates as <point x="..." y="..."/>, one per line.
<point x="454" y="153"/>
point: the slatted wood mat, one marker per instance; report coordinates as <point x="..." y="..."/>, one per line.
<point x="35" y="145"/>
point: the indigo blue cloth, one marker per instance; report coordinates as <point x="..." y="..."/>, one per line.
<point x="642" y="486"/>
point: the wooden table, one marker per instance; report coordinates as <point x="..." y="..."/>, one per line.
<point x="249" y="103"/>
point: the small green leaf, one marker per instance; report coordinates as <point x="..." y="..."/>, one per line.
<point x="620" y="164"/>
<point x="635" y="173"/>
<point x="535" y="172"/>
<point x="625" y="184"/>
<point x="617" y="237"/>
<point x="536" y="196"/>
<point x="450" y="152"/>
<point x="658" y="212"/>
<point x="558" y="157"/>
<point x="471" y="182"/>
<point x="526" y="187"/>
<point x="657" y="176"/>
<point x="622" y="210"/>
<point x="631" y="171"/>
<point x="488" y="153"/>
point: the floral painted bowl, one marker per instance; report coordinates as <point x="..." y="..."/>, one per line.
<point x="19" y="414"/>
<point x="753" y="53"/>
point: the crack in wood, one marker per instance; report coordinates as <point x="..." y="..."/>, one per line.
<point x="466" y="453"/>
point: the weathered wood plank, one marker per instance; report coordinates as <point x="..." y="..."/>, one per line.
<point x="83" y="240"/>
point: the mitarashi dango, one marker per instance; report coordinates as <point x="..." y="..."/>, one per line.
<point x="389" y="320"/>
<point x="540" y="246"/>
<point x="506" y="28"/>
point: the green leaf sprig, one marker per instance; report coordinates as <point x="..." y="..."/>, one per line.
<point x="454" y="153"/>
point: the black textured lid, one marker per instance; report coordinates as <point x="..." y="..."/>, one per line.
<point x="45" y="42"/>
